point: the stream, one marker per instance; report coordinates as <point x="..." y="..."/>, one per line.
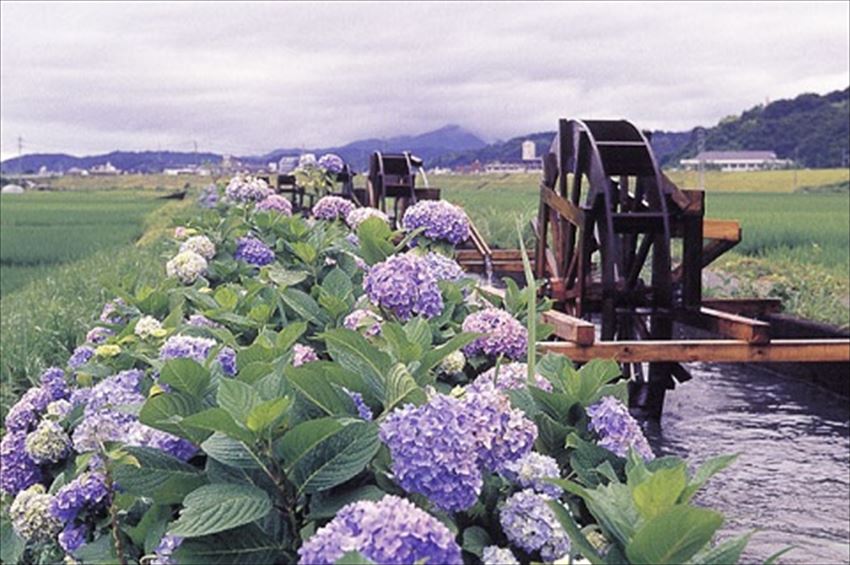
<point x="791" y="481"/>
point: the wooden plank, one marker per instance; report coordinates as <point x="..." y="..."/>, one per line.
<point x="751" y="307"/>
<point x="726" y="324"/>
<point x="570" y="328"/>
<point x="564" y="207"/>
<point x="714" y="351"/>
<point x="726" y="230"/>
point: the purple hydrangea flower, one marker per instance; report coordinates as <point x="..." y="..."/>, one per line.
<point x="510" y="376"/>
<point x="359" y="215"/>
<point x="363" y="319"/>
<point x="111" y="313"/>
<point x="168" y="544"/>
<point x="494" y="555"/>
<point x="501" y="433"/>
<point x="197" y="349"/>
<point x="23" y="416"/>
<point x="80" y="356"/>
<point x="391" y="530"/>
<point x="530" y="524"/>
<point x="246" y="189"/>
<point x="504" y="335"/>
<point x="332" y="208"/>
<point x="201" y="321"/>
<point x="442" y="221"/>
<point x="17" y="469"/>
<point x="303" y="354"/>
<point x="332" y="163"/>
<point x="530" y="470"/>
<point x="73" y="537"/>
<point x="275" y="203"/>
<point x="208" y="197"/>
<point x="617" y="429"/>
<point x="443" y="268"/>
<point x="404" y="285"/>
<point x="86" y="491"/>
<point x="253" y="251"/>
<point x="98" y="335"/>
<point x="363" y="409"/>
<point x="433" y="452"/>
<point x="53" y="381"/>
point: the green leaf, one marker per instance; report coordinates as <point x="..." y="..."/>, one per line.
<point x="265" y="415"/>
<point x="287" y="337"/>
<point x="724" y="553"/>
<point x="374" y="236"/>
<point x="327" y="505"/>
<point x="659" y="491"/>
<point x="338" y="284"/>
<point x="11" y="546"/>
<point x="166" y="411"/>
<point x="475" y="539"/>
<point x="321" y="454"/>
<point x="219" y="420"/>
<point x="185" y="375"/>
<point x="593" y="375"/>
<point x="253" y="372"/>
<point x="305" y="252"/>
<point x="304" y="306"/>
<point x="400" y="388"/>
<point x="261" y="351"/>
<point x="99" y="552"/>
<point x="674" y="536"/>
<point x="354" y="558"/>
<point x="247" y="545"/>
<point x="433" y="356"/>
<point x="556" y="404"/>
<point x="354" y="353"/>
<point x="313" y="383"/>
<point x="284" y="277"/>
<point x="229" y="451"/>
<point x="707" y="470"/>
<point x="402" y="348"/>
<point x="237" y="398"/>
<point x="158" y="476"/>
<point x="219" y="507"/>
<point x="226" y="298"/>
<point x="580" y="542"/>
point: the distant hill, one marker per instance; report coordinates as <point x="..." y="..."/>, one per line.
<point x="811" y="129"/>
<point x="135" y="161"/>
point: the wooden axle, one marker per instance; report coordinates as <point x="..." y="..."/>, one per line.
<point x="714" y="351"/>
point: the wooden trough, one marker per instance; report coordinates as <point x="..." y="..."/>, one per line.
<point x="607" y="221"/>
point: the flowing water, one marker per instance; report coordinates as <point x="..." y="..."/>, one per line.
<point x="792" y="478"/>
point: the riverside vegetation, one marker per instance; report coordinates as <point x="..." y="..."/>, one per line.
<point x="325" y="390"/>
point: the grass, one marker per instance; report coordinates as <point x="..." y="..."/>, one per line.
<point x="796" y="245"/>
<point x="43" y="229"/>
<point x="156" y="183"/>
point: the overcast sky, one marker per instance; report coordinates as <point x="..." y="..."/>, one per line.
<point x="248" y="78"/>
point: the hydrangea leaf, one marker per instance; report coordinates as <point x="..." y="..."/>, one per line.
<point x="247" y="545"/>
<point x="220" y="507"/>
<point x="157" y="475"/>
<point x="185" y="375"/>
<point x="674" y="536"/>
<point x="237" y="398"/>
<point x="659" y="491"/>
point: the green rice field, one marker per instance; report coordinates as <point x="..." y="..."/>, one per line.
<point x="41" y="230"/>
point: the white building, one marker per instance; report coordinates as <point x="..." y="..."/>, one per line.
<point x="107" y="169"/>
<point x="529" y="150"/>
<point x="736" y="161"/>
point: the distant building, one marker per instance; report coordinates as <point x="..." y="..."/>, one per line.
<point x="12" y="189"/>
<point x="529" y="150"/>
<point x="105" y="170"/>
<point x="287" y="164"/>
<point x="76" y="171"/>
<point x="736" y="161"/>
<point x="192" y="170"/>
<point x="497" y="167"/>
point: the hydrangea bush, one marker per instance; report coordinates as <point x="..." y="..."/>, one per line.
<point x="291" y="394"/>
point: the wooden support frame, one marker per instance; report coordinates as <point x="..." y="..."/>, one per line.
<point x="726" y="324"/>
<point x="713" y="351"/>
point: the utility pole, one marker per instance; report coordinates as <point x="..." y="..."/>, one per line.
<point x="701" y="157"/>
<point x="20" y="160"/>
<point x="796" y="165"/>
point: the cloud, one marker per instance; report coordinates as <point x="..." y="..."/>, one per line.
<point x="247" y="78"/>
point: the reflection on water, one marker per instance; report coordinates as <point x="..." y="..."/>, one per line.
<point x="792" y="479"/>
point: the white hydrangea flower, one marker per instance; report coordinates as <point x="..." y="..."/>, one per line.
<point x="201" y="245"/>
<point x="48" y="443"/>
<point x="148" y="326"/>
<point x="453" y="363"/>
<point x="186" y="266"/>
<point x="31" y="517"/>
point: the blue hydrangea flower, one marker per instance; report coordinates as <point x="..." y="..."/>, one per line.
<point x="246" y="189"/>
<point x="111" y="313"/>
<point x="495" y="555"/>
<point x="332" y="163"/>
<point x="197" y="349"/>
<point x="530" y="524"/>
<point x="509" y="376"/>
<point x="404" y="285"/>
<point x="530" y="470"/>
<point x="201" y="321"/>
<point x="53" y="381"/>
<point x="443" y="268"/>
<point x="98" y="335"/>
<point x="617" y="429"/>
<point x="391" y="530"/>
<point x="503" y="334"/>
<point x="17" y="469"/>
<point x="165" y="550"/>
<point x="365" y="320"/>
<point x="80" y="356"/>
<point x="275" y="203"/>
<point x="363" y="409"/>
<point x="88" y="490"/>
<point x="24" y="414"/>
<point x="442" y="221"/>
<point x="332" y="208"/>
<point x="253" y="251"/>
<point x="73" y="537"/>
<point x="208" y="197"/>
<point x="434" y="453"/>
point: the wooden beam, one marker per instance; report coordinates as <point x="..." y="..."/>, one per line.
<point x="564" y="207"/>
<point x="726" y="324"/>
<point x="750" y="307"/>
<point x="726" y="230"/>
<point x="715" y="351"/>
<point x="570" y="328"/>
